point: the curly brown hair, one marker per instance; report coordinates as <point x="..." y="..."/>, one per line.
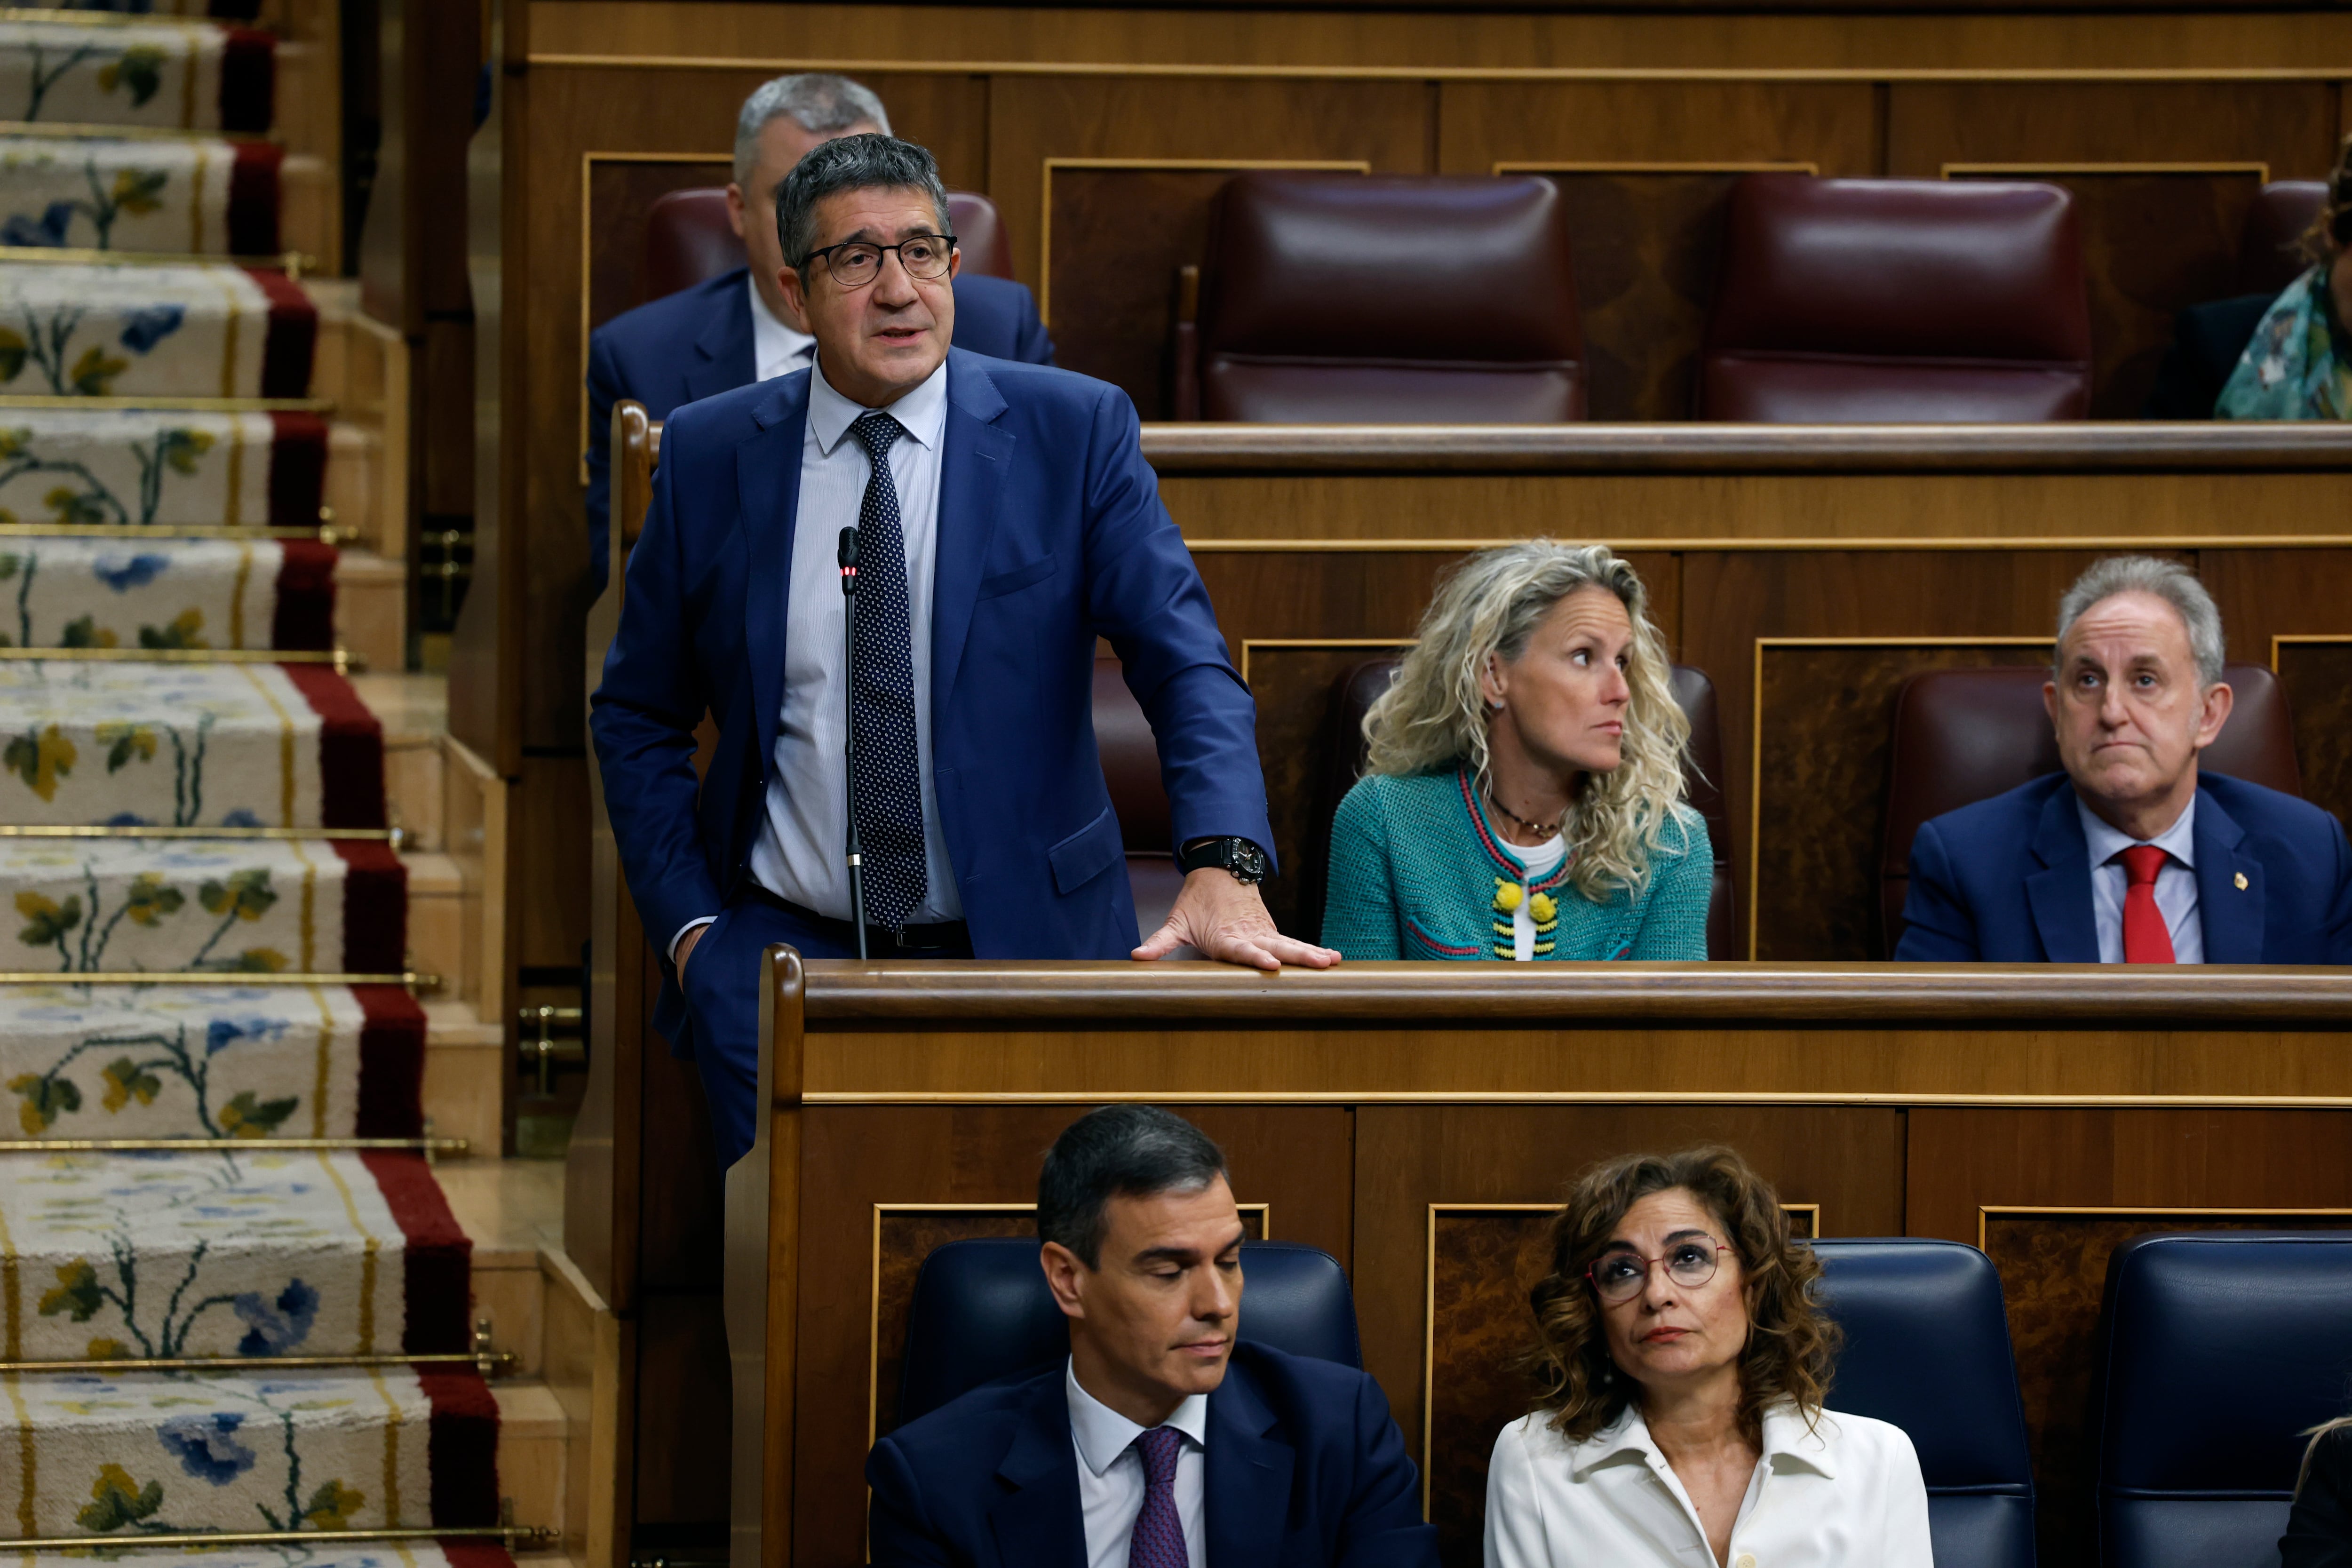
<point x="1791" y="1346"/>
<point x="2331" y="230"/>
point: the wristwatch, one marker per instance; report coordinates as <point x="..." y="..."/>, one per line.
<point x="1244" y="860"/>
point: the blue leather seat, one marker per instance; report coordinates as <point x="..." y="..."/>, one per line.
<point x="981" y="1311"/>
<point x="1926" y="1349"/>
<point x="2217" y="1350"/>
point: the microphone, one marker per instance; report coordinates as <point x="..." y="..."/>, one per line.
<point x="848" y="557"/>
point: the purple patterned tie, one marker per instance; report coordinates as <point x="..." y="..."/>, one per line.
<point x="1158" y="1538"/>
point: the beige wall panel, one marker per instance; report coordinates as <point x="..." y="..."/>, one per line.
<point x="1831" y="124"/>
<point x="1031" y="119"/>
<point x="2289" y="125"/>
<point x="2284" y="40"/>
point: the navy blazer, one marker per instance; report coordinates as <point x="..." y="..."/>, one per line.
<point x="1050" y="533"/>
<point x="2007" y="880"/>
<point x="1305" y="1467"/>
<point x="696" y="343"/>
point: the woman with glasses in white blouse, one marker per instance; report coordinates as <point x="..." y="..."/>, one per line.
<point x="1682" y="1366"/>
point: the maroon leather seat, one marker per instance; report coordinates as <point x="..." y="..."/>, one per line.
<point x="2269" y="258"/>
<point x="1350" y="298"/>
<point x="1130" y="764"/>
<point x="1355" y="691"/>
<point x="1966" y="735"/>
<point x="688" y="239"/>
<point x="1904" y="302"/>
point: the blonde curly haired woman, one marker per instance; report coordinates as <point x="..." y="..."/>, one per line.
<point x="1524" y="793"/>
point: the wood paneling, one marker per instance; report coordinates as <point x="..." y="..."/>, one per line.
<point x="1831" y="124"/>
<point x="1409" y="1157"/>
<point x="2290" y="125"/>
<point x="682" y="1444"/>
<point x="1389" y="124"/>
<point x="2318" y="680"/>
<point x="1825" y="729"/>
<point x="2165" y="1163"/>
<point x="1296" y="1160"/>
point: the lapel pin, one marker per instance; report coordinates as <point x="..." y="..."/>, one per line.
<point x="2242" y="881"/>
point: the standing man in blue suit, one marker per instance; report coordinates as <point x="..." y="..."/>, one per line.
<point x="1160" y="1442"/>
<point x="738" y="328"/>
<point x="1006" y="519"/>
<point x="2129" y="856"/>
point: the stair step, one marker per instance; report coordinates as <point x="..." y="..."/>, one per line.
<point x="250" y="1252"/>
<point x="143" y="592"/>
<point x="159" y="74"/>
<point x="230" y="1450"/>
<point x="161" y="468"/>
<point x="196" y="330"/>
<point x="193" y="197"/>
<point x="230" y="744"/>
<point x="197" y="905"/>
<point x="371" y="600"/>
<point x="350" y="1057"/>
<point x="533" y="1433"/>
<point x="465" y="1078"/>
<point x="513" y="1212"/>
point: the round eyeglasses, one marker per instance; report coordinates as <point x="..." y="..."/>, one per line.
<point x="856" y="263"/>
<point x="1619" y="1275"/>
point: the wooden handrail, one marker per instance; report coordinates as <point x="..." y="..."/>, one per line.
<point x="1568" y="996"/>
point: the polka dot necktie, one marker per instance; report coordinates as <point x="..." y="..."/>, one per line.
<point x="888" y="777"/>
<point x="2146" y="940"/>
<point x="1158" y="1538"/>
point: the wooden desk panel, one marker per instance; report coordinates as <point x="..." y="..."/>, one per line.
<point x="1368" y="1105"/>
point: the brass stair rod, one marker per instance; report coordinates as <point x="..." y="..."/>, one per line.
<point x="259" y="1362"/>
<point x="509" y="1534"/>
<point x="228" y="1145"/>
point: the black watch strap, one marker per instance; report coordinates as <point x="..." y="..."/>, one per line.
<point x="1244" y="860"/>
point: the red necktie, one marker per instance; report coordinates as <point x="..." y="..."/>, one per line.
<point x="2145" y="939"/>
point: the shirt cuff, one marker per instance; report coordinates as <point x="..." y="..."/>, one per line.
<point x="691" y="925"/>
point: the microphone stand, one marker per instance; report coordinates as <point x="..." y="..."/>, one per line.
<point x="848" y="559"/>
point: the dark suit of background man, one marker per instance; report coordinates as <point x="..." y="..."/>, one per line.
<point x="1007" y="519"/>
<point x="737" y="328"/>
<point x="2129" y="855"/>
<point x="1159" y="1443"/>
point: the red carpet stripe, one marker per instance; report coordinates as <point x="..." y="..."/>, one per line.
<point x="305" y="612"/>
<point x="350" y="748"/>
<point x="248" y="84"/>
<point x="375" y="907"/>
<point x="465" y="1448"/>
<point x="391" y="1063"/>
<point x="439" y="1257"/>
<point x="253" y="199"/>
<point x="297" y="470"/>
<point x="286" y="351"/>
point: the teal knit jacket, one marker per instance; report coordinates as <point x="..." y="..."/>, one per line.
<point x="1415" y="867"/>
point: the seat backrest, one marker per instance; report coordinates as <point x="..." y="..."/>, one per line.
<point x="1966" y="735"/>
<point x="1131" y="766"/>
<point x="2217" y="1350"/>
<point x="1881" y="301"/>
<point x="981" y="1311"/>
<point x="2268" y="256"/>
<point x="1353" y="694"/>
<point x="1926" y="1349"/>
<point x="688" y="239"/>
<point x="1352" y="299"/>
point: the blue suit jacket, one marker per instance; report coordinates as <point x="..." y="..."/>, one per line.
<point x="1305" y="1467"/>
<point x="1050" y="533"/>
<point x="2007" y="880"/>
<point x="696" y="343"/>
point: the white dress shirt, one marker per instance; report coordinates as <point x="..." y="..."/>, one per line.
<point x="1845" y="1493"/>
<point x="2176" y="884"/>
<point x="776" y="349"/>
<point x="798" y="854"/>
<point x="1111" y="1480"/>
<point x="1539" y="861"/>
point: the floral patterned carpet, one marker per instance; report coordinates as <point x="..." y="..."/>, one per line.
<point x="134" y="716"/>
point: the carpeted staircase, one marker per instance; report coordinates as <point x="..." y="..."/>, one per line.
<point x="210" y="911"/>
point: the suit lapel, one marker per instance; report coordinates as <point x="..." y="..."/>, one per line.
<point x="1038" y="1520"/>
<point x="767" y="489"/>
<point x="723" y="360"/>
<point x="1249" y="1474"/>
<point x="2229" y="887"/>
<point x="971" y="479"/>
<point x="2060" y="894"/>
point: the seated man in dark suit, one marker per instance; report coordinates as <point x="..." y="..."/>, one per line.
<point x="2129" y="856"/>
<point x="1160" y="1441"/>
<point x="738" y="328"/>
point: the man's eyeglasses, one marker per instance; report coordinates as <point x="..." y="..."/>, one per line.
<point x="1619" y="1275"/>
<point x="856" y="263"/>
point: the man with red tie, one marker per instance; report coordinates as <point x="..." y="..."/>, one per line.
<point x="2130" y="856"/>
